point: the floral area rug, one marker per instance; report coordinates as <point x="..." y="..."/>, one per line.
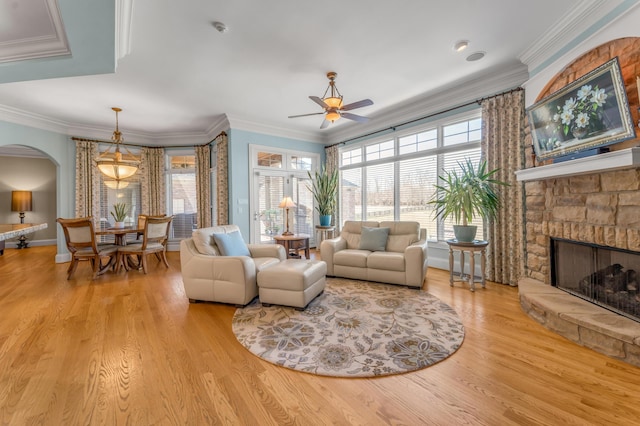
<point x="353" y="329"/>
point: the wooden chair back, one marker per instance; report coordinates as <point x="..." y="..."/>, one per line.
<point x="156" y="230"/>
<point x="142" y="218"/>
<point x="79" y="233"/>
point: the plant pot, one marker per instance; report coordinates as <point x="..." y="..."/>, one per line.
<point x="465" y="234"/>
<point x="325" y="220"/>
<point x="119" y="225"/>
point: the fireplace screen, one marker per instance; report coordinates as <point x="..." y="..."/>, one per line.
<point x="602" y="275"/>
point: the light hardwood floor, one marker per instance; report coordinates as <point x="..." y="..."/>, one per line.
<point x="129" y="349"/>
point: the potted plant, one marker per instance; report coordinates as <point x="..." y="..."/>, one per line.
<point x="325" y="190"/>
<point x="465" y="194"/>
<point x="119" y="213"/>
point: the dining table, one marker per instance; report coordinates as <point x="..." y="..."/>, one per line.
<point x="120" y="234"/>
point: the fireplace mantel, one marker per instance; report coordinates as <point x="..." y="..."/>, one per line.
<point x="615" y="160"/>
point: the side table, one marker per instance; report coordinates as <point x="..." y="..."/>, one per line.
<point x="472" y="248"/>
<point x="293" y="243"/>
<point x="323" y="232"/>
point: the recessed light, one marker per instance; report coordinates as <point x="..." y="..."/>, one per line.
<point x="460" y="45"/>
<point x="475" y="56"/>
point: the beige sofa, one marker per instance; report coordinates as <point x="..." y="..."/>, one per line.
<point x="207" y="275"/>
<point x="403" y="261"/>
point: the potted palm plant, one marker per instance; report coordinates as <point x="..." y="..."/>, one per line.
<point x="119" y="213"/>
<point x="324" y="187"/>
<point x="465" y="194"/>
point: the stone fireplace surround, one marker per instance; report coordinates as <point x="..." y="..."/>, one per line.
<point x="594" y="200"/>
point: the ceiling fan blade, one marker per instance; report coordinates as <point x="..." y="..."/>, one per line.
<point x="319" y="101"/>
<point x="354" y="117"/>
<point x="359" y="104"/>
<point x="325" y="124"/>
<point x="305" y="115"/>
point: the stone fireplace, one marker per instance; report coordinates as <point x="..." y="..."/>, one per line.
<point x="593" y="202"/>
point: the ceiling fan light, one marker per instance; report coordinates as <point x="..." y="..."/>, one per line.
<point x="333" y="102"/>
<point x="332" y="116"/>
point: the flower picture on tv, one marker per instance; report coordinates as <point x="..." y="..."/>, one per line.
<point x="588" y="113"/>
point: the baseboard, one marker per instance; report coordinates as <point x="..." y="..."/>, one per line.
<point x="32" y="243"/>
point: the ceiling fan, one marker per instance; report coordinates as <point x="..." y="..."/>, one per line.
<point x="332" y="105"/>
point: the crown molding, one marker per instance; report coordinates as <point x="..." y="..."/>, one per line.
<point x="54" y="44"/>
<point x="238" y="123"/>
<point x="480" y="85"/>
<point x="566" y="31"/>
<point x="29" y="119"/>
<point x="124" y="14"/>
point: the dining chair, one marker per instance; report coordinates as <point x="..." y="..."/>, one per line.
<point x="154" y="241"/>
<point x="81" y="243"/>
<point x="141" y="221"/>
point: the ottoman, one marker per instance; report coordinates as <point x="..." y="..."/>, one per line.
<point x="292" y="282"/>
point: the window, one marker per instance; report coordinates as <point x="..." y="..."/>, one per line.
<point x="395" y="179"/>
<point x="182" y="199"/>
<point x="112" y="192"/>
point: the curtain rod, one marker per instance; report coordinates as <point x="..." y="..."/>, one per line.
<point x="393" y="128"/>
<point x="74" y="138"/>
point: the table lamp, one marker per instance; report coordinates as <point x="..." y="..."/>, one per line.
<point x="287" y="203"/>
<point x="21" y="202"/>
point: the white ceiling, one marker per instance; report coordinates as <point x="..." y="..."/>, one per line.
<point x="182" y="80"/>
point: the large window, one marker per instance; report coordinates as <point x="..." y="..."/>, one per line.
<point x="394" y="179"/>
<point x="182" y="201"/>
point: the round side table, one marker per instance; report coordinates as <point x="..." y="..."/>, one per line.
<point x="472" y="248"/>
<point x="324" y="232"/>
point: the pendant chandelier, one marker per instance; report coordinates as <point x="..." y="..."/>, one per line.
<point x="113" y="165"/>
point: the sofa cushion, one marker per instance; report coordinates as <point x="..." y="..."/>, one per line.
<point x="231" y="244"/>
<point x="203" y="238"/>
<point x="351" y="232"/>
<point x="351" y="257"/>
<point x="204" y="242"/>
<point x="386" y="260"/>
<point x="401" y="234"/>
<point x="373" y="239"/>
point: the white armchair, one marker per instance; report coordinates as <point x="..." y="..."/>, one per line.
<point x="210" y="276"/>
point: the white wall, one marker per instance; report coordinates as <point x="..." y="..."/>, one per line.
<point x="61" y="150"/>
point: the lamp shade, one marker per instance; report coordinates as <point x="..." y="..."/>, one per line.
<point x="286" y="202"/>
<point x="333" y="102"/>
<point x="332" y="116"/>
<point x="20" y="201"/>
<point x="117" y="169"/>
<point x="116" y="184"/>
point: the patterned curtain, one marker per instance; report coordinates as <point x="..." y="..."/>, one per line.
<point x="331" y="164"/>
<point x="87" y="181"/>
<point x="222" y="178"/>
<point x="152" y="181"/>
<point x="503" y="148"/>
<point x="203" y="185"/>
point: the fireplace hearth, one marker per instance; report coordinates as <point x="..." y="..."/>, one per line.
<point x="605" y="276"/>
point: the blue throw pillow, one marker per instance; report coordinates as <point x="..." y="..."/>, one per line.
<point x="373" y="239"/>
<point x="231" y="244"/>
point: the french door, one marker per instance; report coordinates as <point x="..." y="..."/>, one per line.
<point x="270" y="187"/>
